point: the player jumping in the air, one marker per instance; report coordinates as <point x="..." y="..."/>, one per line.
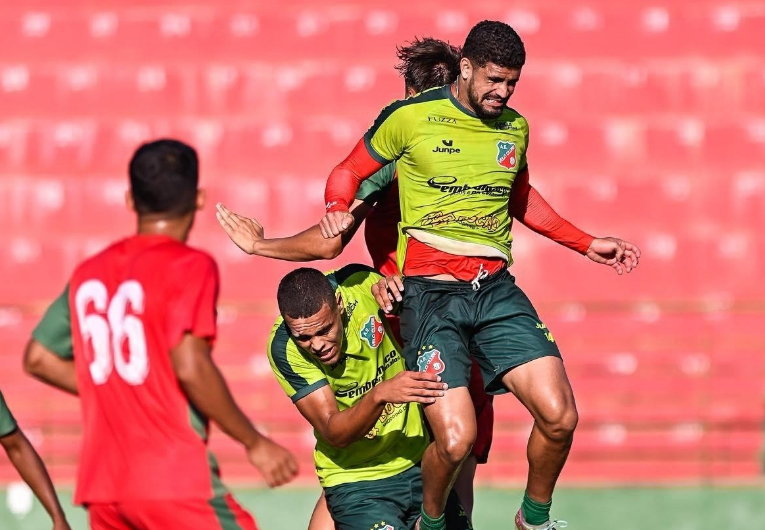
<point x="424" y="63"/>
<point x="459" y="152"/>
<point x="132" y="335"/>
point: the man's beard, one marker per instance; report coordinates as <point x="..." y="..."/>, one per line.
<point x="475" y="102"/>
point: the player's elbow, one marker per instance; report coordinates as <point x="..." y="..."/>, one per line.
<point x="34" y="358"/>
<point x="332" y="248"/>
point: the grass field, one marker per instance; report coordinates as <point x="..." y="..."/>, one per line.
<point x="680" y="508"/>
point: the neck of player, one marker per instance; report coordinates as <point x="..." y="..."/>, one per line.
<point x="460" y="91"/>
<point x="175" y="227"/>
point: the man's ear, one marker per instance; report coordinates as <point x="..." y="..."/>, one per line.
<point x="201" y="198"/>
<point x="466" y="68"/>
<point x="129" y="202"/>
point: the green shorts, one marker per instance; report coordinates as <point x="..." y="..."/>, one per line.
<point x="391" y="503"/>
<point x="444" y="322"/>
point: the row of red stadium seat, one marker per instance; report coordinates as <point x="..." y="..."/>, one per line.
<point x="306" y="89"/>
<point x="215" y="33"/>
<point x="316" y="144"/>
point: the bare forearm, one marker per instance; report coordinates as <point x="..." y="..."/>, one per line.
<point x="31" y="468"/>
<point x="308" y="245"/>
<point x="209" y="393"/>
<point x="350" y="425"/>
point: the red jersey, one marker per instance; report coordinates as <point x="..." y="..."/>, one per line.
<point x="130" y="305"/>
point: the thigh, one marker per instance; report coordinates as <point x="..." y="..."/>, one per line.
<point x="107" y="517"/>
<point x="435" y="331"/>
<point x="508" y="332"/>
<point x="543" y="387"/>
<point x="219" y="513"/>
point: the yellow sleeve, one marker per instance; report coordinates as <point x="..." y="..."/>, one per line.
<point x="297" y="375"/>
<point x="388" y="137"/>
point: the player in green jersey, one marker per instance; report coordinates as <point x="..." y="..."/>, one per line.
<point x="29" y="465"/>
<point x="459" y="151"/>
<point x="335" y="357"/>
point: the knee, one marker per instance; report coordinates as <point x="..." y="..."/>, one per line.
<point x="559" y="422"/>
<point x="456" y="444"/>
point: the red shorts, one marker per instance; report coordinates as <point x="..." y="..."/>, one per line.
<point x="219" y="513"/>
<point x="483" y="403"/>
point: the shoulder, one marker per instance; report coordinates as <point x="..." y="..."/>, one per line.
<point x="414" y="103"/>
<point x="511" y="119"/>
<point x="353" y="275"/>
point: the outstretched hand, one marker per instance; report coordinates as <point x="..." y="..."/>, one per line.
<point x="245" y="232"/>
<point x="617" y="253"/>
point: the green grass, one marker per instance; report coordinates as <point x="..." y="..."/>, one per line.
<point x="680" y="508"/>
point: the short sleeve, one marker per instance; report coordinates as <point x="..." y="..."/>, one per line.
<point x="193" y="299"/>
<point x="388" y="137"/>
<point x="55" y="329"/>
<point x="376" y="186"/>
<point x="7" y="421"/>
<point x="296" y="374"/>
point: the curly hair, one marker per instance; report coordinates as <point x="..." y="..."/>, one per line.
<point x="495" y="42"/>
<point x="427" y="63"/>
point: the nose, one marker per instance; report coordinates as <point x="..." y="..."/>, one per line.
<point x="504" y="91"/>
<point x="317" y="344"/>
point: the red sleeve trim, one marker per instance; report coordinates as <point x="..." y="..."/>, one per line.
<point x="531" y="209"/>
<point x="345" y="179"/>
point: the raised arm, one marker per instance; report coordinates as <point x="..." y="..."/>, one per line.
<point x="342" y="185"/>
<point x="531" y="209"/>
<point x="309" y="245"/>
<point x="205" y="387"/>
<point x="342" y="428"/>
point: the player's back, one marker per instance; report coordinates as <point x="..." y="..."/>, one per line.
<point x="130" y="305"/>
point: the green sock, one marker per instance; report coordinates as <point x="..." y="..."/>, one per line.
<point x="428" y="523"/>
<point x="534" y="512"/>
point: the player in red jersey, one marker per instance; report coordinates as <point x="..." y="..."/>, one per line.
<point x="132" y="336"/>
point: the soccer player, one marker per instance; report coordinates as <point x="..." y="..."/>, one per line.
<point x="333" y="354"/>
<point x="459" y="151"/>
<point x="29" y="465"/>
<point x="132" y="334"/>
<point x="424" y="63"/>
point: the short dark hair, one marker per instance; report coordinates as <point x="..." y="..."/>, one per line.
<point x="495" y="42"/>
<point x="428" y="63"/>
<point x="164" y="176"/>
<point x="303" y="292"/>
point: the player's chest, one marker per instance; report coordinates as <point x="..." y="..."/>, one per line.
<point x="456" y="149"/>
<point x="370" y="358"/>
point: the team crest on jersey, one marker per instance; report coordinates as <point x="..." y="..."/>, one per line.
<point x="506" y="154"/>
<point x="430" y="361"/>
<point x="373" y="331"/>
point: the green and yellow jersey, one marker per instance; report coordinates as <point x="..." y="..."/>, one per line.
<point x="7" y="421"/>
<point x="370" y="356"/>
<point x="455" y="170"/>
